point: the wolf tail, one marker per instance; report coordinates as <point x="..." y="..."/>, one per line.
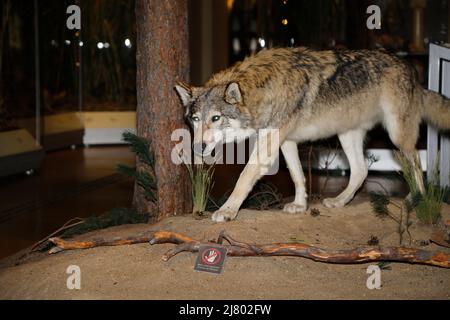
<point x="436" y="109"/>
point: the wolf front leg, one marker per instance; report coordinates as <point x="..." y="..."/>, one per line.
<point x="290" y="153"/>
<point x="262" y="158"/>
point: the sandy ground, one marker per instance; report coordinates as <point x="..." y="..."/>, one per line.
<point x="137" y="271"/>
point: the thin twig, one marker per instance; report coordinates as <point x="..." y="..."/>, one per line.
<point x="66" y="226"/>
<point x="379" y="184"/>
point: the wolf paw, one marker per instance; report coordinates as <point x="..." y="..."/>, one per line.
<point x="334" y="203"/>
<point x="294" y="208"/>
<point x="223" y="215"/>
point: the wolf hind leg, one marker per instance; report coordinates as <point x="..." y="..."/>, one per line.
<point x="414" y="160"/>
<point x="290" y="153"/>
<point x="403" y="130"/>
<point x="352" y="144"/>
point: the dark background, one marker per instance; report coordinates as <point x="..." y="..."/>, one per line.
<point x="222" y="32"/>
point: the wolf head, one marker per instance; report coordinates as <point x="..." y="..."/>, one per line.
<point x="216" y="115"/>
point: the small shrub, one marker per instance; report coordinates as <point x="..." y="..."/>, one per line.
<point x="428" y="210"/>
<point x="428" y="205"/>
<point x="380" y="205"/>
<point x="113" y="217"/>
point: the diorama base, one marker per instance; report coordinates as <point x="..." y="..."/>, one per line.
<point x="19" y="152"/>
<point x="139" y="272"/>
<point x="107" y="127"/>
<point x="82" y="128"/>
<point x="58" y="131"/>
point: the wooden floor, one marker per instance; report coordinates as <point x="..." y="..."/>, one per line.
<point x="71" y="183"/>
<point x="84" y="182"/>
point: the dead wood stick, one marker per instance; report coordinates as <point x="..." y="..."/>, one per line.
<point x="155" y="237"/>
<point x="346" y="256"/>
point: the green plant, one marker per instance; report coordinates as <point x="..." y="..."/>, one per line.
<point x="113" y="217"/>
<point x="428" y="205"/>
<point x="428" y="209"/>
<point x="145" y="178"/>
<point x="201" y="178"/>
<point x="77" y="226"/>
<point x="380" y="205"/>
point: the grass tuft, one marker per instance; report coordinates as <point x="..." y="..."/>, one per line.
<point x="201" y="179"/>
<point x="428" y="205"/>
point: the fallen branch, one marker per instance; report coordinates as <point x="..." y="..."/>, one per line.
<point x="241" y="249"/>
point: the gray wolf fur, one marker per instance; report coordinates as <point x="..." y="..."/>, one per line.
<point x="310" y="95"/>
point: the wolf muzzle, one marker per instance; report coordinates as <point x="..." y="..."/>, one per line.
<point x="199" y="148"/>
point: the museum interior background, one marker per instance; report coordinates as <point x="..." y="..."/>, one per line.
<point x="66" y="96"/>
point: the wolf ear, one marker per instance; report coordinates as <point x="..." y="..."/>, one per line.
<point x="233" y="94"/>
<point x="184" y="92"/>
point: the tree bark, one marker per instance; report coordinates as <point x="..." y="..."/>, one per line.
<point x="162" y="59"/>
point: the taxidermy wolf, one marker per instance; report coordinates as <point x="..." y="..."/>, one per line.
<point x="309" y="95"/>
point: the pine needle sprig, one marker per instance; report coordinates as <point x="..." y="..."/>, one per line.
<point x="379" y="204"/>
<point x="141" y="147"/>
<point x="146" y="177"/>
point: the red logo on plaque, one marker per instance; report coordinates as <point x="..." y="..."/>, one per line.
<point x="211" y="256"/>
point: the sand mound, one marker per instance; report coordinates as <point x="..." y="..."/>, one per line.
<point x="137" y="271"/>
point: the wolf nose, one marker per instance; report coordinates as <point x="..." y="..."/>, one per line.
<point x="199" y="148"/>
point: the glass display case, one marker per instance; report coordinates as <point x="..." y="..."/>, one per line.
<point x="20" y="149"/>
<point x="64" y="87"/>
<point x="108" y="45"/>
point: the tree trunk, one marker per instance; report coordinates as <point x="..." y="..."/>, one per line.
<point x="162" y="59"/>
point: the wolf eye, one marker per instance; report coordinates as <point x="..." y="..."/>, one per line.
<point x="215" y="118"/>
<point x="195" y="119"/>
